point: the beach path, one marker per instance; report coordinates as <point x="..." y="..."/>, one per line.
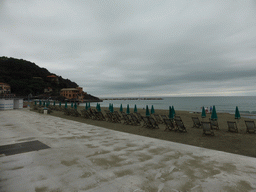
<point x="81" y="157"/>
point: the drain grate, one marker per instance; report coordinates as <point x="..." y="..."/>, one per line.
<point x="24" y="147"/>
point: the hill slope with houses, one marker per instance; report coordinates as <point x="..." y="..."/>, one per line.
<point x="25" y="77"/>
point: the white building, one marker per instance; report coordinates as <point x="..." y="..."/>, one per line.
<point x="14" y="103"/>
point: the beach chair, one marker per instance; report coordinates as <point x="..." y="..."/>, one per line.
<point x="147" y="123"/>
<point x="127" y="120"/>
<point x="153" y="122"/>
<point x="250" y="126"/>
<point x="214" y="124"/>
<point x="207" y="128"/>
<point x="177" y="117"/>
<point x="169" y="125"/>
<point x="119" y="116"/>
<point x="139" y="116"/>
<point x="109" y="116"/>
<point x="196" y="122"/>
<point x="158" y="119"/>
<point x="164" y="117"/>
<point x="180" y="125"/>
<point x="116" y="118"/>
<point x="136" y="121"/>
<point x="232" y="127"/>
<point x="101" y="116"/>
<point x="74" y="112"/>
<point x="85" y="114"/>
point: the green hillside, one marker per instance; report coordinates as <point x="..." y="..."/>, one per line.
<point x="26" y="77"/>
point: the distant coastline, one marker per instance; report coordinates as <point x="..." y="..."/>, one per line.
<point x="133" y="98"/>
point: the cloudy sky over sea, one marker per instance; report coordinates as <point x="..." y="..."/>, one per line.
<point x="137" y="47"/>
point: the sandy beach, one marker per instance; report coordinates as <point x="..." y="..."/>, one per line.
<point x="237" y="143"/>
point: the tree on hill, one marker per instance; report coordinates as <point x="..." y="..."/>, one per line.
<point x="26" y="77"/>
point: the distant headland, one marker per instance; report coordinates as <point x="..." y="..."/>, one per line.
<point x="134" y="98"/>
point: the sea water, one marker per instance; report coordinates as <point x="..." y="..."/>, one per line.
<point x="227" y="104"/>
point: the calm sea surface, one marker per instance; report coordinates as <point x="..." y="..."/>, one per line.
<point x="246" y="104"/>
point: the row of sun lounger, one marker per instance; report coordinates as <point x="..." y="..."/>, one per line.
<point x="152" y="121"/>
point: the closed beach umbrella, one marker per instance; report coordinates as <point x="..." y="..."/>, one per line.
<point x="135" y="109"/>
<point x="66" y="105"/>
<point x="121" y="108"/>
<point x="152" y="110"/>
<point x="171" y="115"/>
<point x="214" y="113"/>
<point x="72" y="104"/>
<point x="40" y="102"/>
<point x="60" y="103"/>
<point x="47" y="103"/>
<point x="237" y="114"/>
<point x="112" y="108"/>
<point x="99" y="109"/>
<point x="75" y="105"/>
<point x="147" y="111"/>
<point x="86" y="106"/>
<point x="203" y="115"/>
<point x="35" y="102"/>
<point x="173" y="111"/>
<point x="127" y="109"/>
<point x="44" y="103"/>
<point x="53" y="103"/>
<point x="109" y="107"/>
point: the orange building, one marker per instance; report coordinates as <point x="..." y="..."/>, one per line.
<point x="73" y="93"/>
<point x="5" y="88"/>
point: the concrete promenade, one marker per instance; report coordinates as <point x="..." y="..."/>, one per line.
<point x="83" y="157"/>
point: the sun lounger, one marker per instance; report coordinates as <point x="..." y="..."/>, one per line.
<point x="196" y="122"/>
<point x="180" y="126"/>
<point x="158" y="118"/>
<point x="232" y="127"/>
<point x="214" y="123"/>
<point x="207" y="128"/>
<point x="85" y="114"/>
<point x="139" y="116"/>
<point x="153" y="122"/>
<point x="177" y="117"/>
<point x="147" y="123"/>
<point x="250" y="126"/>
<point x="164" y="117"/>
<point x="116" y="118"/>
<point x="169" y="124"/>
<point x="135" y="120"/>
<point x="127" y="120"/>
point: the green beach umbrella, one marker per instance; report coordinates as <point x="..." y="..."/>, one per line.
<point x="112" y="108"/>
<point x="89" y="105"/>
<point x="203" y="115"/>
<point x="135" y="109"/>
<point x="173" y="111"/>
<point x="72" y="104"/>
<point x="75" y="106"/>
<point x="86" y="106"/>
<point x="127" y="110"/>
<point x="47" y="103"/>
<point x="66" y="105"/>
<point x="147" y="111"/>
<point x="109" y="107"/>
<point x="60" y="103"/>
<point x="40" y="102"/>
<point x="35" y="102"/>
<point x="44" y="103"/>
<point x="99" y="109"/>
<point x="121" y="108"/>
<point x="237" y="114"/>
<point x="171" y="115"/>
<point x="214" y="113"/>
<point x="53" y="103"/>
<point x="152" y="110"/>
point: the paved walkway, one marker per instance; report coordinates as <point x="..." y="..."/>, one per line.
<point x="83" y="157"/>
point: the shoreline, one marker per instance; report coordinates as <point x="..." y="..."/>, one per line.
<point x="237" y="143"/>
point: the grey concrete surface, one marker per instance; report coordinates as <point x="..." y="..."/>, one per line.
<point x="83" y="157"/>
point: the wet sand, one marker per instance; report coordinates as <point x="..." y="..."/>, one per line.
<point x="238" y="143"/>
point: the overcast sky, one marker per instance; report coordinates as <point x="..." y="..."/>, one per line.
<point x="137" y="47"/>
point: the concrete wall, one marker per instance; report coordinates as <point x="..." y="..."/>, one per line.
<point x="6" y="104"/>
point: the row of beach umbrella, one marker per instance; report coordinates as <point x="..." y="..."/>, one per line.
<point x="111" y="109"/>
